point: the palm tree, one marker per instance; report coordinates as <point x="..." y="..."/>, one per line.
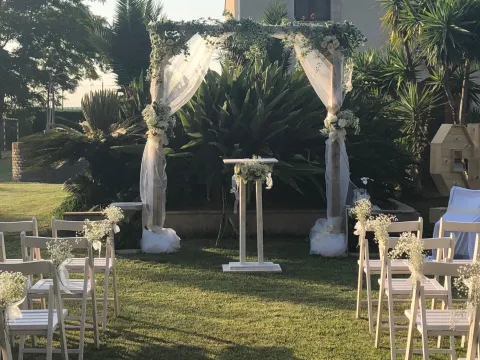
<point x="392" y="21"/>
<point x="276" y="13"/>
<point x="130" y="41"/>
<point x="447" y="34"/>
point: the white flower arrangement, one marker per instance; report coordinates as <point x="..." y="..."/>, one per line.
<point x="159" y="122"/>
<point x="379" y="225"/>
<point x="113" y="214"/>
<point x="12" y="288"/>
<point x="361" y="211"/>
<point x="59" y="251"/>
<point x="330" y="43"/>
<point x="97" y="232"/>
<point x="253" y="171"/>
<point x="336" y="125"/>
<point x="12" y="294"/>
<point x="411" y="246"/>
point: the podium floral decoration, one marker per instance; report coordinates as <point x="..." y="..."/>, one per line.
<point x="12" y="293"/>
<point x="253" y="171"/>
<point x="411" y="246"/>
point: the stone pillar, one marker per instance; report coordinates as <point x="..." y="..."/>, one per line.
<point x="17" y="162"/>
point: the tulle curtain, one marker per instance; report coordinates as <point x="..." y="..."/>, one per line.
<point x="330" y="90"/>
<point x="182" y="76"/>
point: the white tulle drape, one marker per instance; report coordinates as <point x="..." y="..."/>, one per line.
<point x="182" y="76"/>
<point x="329" y="79"/>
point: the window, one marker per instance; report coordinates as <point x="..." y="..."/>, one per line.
<point x="312" y="10"/>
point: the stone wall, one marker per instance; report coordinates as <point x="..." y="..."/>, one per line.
<point x="46" y="175"/>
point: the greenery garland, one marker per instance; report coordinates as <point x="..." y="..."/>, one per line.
<point x="252" y="171"/>
<point x="170" y="38"/>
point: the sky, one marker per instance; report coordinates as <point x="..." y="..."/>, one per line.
<point x="175" y="10"/>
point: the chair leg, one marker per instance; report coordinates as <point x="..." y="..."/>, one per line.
<point x="105" y="301"/>
<point x="96" y="335"/>
<point x="115" y="293"/>
<point x="379" y="318"/>
<point x="21" y="346"/>
<point x="440" y="338"/>
<point x="391" y="328"/>
<point x="5" y="348"/>
<point x="425" y="347"/>
<point x="453" y="354"/>
<point x="83" y="316"/>
<point x="359" y="291"/>
<point x="369" y="303"/>
<point x="30" y="306"/>
<point x="49" y="345"/>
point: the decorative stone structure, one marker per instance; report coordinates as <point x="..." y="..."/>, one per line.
<point x="45" y="175"/>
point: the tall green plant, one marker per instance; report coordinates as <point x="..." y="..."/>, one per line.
<point x="446" y="34"/>
<point x="129" y="40"/>
<point x="276" y="13"/>
<point x="101" y="109"/>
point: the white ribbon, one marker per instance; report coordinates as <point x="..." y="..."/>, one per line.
<point x="359" y="229"/>
<point x="63" y="278"/>
<point x="13" y="311"/>
<point x="269" y="181"/>
<point x="234" y="190"/>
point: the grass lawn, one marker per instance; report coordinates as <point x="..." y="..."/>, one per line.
<point x="181" y="306"/>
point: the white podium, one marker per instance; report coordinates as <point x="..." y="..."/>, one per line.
<point x="243" y="265"/>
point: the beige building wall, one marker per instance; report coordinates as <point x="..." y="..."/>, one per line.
<point x="365" y="14"/>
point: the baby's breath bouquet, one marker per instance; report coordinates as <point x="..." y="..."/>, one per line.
<point x="379" y="225"/>
<point x="60" y="251"/>
<point x="12" y="294"/>
<point x="411" y="246"/>
<point x="253" y="171"/>
<point x="361" y="211"/>
<point x="469" y="283"/>
<point x="97" y="232"/>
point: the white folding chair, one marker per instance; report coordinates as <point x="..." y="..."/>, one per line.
<point x="74" y="290"/>
<point x="16" y="227"/>
<point x="36" y="322"/>
<point x="373" y="267"/>
<point x="401" y="288"/>
<point x="103" y="265"/>
<point x="461" y="227"/>
<point x="436" y="323"/>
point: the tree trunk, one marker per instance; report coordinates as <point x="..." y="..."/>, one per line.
<point x="408" y="55"/>
<point x="450" y="98"/>
<point x="464" y="100"/>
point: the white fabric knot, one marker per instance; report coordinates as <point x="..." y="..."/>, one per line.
<point x="13" y="311"/>
<point x="63" y="278"/>
<point x="269" y="181"/>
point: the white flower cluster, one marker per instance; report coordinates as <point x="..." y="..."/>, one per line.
<point x="336" y="125"/>
<point x="469" y="282"/>
<point x="12" y="287"/>
<point x="59" y="251"/>
<point x="347" y="119"/>
<point x="113" y="214"/>
<point x="101" y="230"/>
<point x="96" y="230"/>
<point x="361" y="210"/>
<point x="379" y="225"/>
<point x="158" y="119"/>
<point x="253" y="171"/>
<point x="330" y="43"/>
<point x="411" y="246"/>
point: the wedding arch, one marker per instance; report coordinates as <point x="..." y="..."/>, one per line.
<point x="182" y="53"/>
